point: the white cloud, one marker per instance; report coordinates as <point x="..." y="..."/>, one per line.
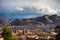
<point x="19" y="8"/>
<point x="49" y="10"/>
<point x="42" y="6"/>
<point x="45" y="5"/>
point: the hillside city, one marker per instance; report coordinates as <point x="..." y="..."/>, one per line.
<point x="39" y="28"/>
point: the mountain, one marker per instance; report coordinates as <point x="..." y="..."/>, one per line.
<point x="46" y="19"/>
<point x="14" y="21"/>
<point x="55" y="19"/>
<point x="42" y="22"/>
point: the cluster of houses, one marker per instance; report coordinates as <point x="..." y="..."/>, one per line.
<point x="30" y="34"/>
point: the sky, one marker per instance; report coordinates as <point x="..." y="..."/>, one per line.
<point x="28" y="8"/>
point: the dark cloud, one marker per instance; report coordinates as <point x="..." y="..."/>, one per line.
<point x="31" y="8"/>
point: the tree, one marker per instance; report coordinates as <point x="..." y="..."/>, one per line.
<point x="58" y="32"/>
<point x="7" y="34"/>
<point x="57" y="27"/>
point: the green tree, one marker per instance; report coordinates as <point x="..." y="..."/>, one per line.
<point x="7" y="34"/>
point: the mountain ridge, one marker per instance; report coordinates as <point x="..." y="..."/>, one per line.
<point x="45" y="22"/>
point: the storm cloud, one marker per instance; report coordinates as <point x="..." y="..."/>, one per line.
<point x="29" y="7"/>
